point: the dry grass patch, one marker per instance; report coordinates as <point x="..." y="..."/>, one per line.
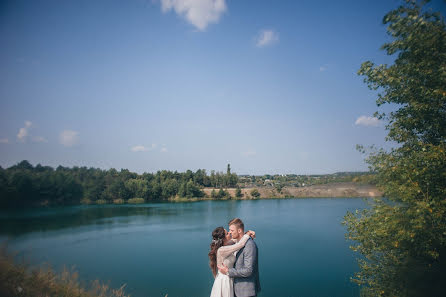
<point x="24" y="281"/>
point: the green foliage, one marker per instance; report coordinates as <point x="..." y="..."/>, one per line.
<point x="223" y="194"/>
<point x="238" y="193"/>
<point x="190" y="190"/>
<point x="368" y="179"/>
<point x="169" y="188"/>
<point x="137" y="187"/>
<point x="416" y="81"/>
<point x="278" y="187"/>
<point x="402" y="239"/>
<point x="213" y="193"/>
<point x="220" y="179"/>
<point x="255" y="193"/>
<point x="23" y="185"/>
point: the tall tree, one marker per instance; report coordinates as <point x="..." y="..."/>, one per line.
<point x="402" y="238"/>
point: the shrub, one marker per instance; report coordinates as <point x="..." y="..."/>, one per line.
<point x="238" y="193"/>
<point x="223" y="194"/>
<point x="135" y="200"/>
<point x="213" y="194"/>
<point x="255" y="193"/>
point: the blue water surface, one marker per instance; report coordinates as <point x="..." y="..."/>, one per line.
<point x="161" y="248"/>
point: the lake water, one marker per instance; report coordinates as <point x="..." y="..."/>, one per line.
<point x="161" y="248"/>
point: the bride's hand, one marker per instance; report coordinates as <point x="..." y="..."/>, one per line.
<point x="251" y="233"/>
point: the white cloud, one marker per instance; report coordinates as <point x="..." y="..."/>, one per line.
<point x="199" y="13"/>
<point x="163" y="150"/>
<point x="266" y="37"/>
<point x="39" y="139"/>
<point x="367" y="121"/>
<point x="4" y="140"/>
<point x="24" y="132"/>
<point x="141" y="148"/>
<point x="249" y="153"/>
<point x="69" y="138"/>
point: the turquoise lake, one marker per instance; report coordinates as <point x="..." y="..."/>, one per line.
<point x="161" y="248"/>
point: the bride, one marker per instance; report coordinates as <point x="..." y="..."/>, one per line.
<point x="223" y="250"/>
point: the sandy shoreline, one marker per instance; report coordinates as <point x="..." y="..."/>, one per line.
<point x="348" y="189"/>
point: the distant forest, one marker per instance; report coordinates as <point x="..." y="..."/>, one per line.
<point x="24" y="185"/>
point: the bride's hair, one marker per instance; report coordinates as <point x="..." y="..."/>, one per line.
<point x="218" y="236"/>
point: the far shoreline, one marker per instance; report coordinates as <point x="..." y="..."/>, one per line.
<point x="353" y="190"/>
<point x="332" y="190"/>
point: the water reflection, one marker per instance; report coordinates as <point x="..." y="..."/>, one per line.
<point x="16" y="223"/>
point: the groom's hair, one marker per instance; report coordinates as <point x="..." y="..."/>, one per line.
<point x="238" y="223"/>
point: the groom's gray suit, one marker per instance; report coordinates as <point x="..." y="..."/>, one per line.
<point x="246" y="271"/>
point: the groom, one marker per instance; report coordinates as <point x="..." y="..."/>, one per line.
<point x="246" y="270"/>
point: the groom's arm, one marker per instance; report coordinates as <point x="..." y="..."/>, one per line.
<point x="250" y="254"/>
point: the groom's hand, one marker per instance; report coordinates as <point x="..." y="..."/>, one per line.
<point x="223" y="269"/>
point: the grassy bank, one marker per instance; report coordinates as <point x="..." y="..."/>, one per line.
<point x="23" y="280"/>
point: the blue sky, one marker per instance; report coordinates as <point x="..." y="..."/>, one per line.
<point x="267" y="86"/>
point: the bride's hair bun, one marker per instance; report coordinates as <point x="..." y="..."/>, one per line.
<point x="218" y="234"/>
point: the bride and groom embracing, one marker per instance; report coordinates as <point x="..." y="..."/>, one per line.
<point x="229" y="248"/>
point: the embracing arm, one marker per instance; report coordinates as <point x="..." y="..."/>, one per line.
<point x="226" y="250"/>
<point x="250" y="256"/>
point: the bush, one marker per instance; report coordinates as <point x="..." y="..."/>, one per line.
<point x="213" y="194"/>
<point x="238" y="193"/>
<point x="86" y="201"/>
<point x="223" y="194"/>
<point x="136" y="200"/>
<point x="101" y="201"/>
<point x="118" y="201"/>
<point x="255" y="193"/>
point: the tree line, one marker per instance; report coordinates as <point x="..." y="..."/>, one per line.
<point x="26" y="185"/>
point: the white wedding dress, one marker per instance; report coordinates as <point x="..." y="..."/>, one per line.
<point x="223" y="284"/>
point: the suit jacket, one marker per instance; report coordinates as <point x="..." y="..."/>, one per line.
<point x="246" y="271"/>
